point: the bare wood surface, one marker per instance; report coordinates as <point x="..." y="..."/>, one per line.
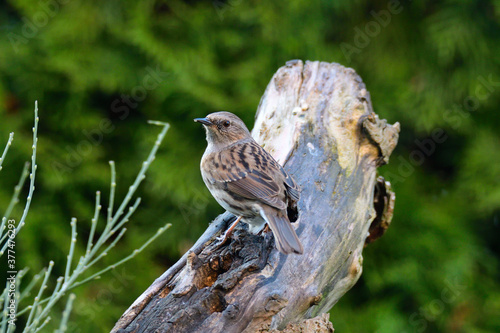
<point x="317" y="120"/>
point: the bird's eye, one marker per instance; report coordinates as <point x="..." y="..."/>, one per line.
<point x="226" y="123"/>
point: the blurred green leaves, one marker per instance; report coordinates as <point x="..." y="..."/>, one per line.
<point x="434" y="66"/>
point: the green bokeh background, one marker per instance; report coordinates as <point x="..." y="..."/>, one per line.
<point x="431" y="65"/>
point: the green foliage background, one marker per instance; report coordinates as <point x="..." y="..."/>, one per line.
<point x="436" y="269"/>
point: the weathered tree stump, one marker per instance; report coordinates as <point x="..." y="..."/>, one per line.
<point x="316" y="120"/>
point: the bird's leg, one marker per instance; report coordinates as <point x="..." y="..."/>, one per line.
<point x="265" y="230"/>
<point x="222" y="239"/>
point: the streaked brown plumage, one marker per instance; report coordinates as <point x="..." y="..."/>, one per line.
<point x="246" y="180"/>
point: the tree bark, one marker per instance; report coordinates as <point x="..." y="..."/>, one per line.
<point x="316" y="119"/>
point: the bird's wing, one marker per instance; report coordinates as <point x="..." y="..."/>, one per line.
<point x="292" y="188"/>
<point x="249" y="171"/>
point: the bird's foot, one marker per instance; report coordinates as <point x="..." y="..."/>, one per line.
<point x="264" y="230"/>
<point x="221" y="240"/>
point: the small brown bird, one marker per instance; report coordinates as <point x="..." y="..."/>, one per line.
<point x="247" y="181"/>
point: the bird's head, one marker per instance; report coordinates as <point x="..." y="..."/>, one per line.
<point x="224" y="128"/>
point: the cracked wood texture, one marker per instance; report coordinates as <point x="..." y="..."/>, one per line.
<point x="316" y="119"/>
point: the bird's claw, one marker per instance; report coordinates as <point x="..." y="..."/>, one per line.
<point x="221" y="240"/>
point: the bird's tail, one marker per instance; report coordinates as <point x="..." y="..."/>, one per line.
<point x="286" y="239"/>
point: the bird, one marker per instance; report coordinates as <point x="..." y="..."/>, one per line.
<point x="247" y="181"/>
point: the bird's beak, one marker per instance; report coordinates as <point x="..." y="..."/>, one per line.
<point x="204" y="121"/>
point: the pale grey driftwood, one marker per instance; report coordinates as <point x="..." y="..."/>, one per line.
<point x="317" y="120"/>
